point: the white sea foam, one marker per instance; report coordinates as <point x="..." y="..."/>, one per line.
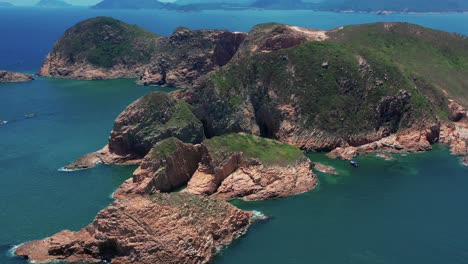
<point x="12" y="250"/>
<point x="257" y="215"/>
<point x="63" y="169"/>
<point x="112" y="195"/>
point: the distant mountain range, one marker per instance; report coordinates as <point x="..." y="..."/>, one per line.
<point x="396" y="5"/>
<point x="52" y="3"/>
<point x="325" y="5"/>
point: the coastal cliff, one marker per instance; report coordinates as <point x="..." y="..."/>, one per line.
<point x="162" y="228"/>
<point x="255" y="102"/>
<point x="6" y="76"/>
<point x="234" y="166"/>
<point x="106" y="48"/>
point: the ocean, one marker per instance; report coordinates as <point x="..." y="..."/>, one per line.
<point x="411" y="210"/>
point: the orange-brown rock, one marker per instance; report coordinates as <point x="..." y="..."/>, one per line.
<point x="260" y="182"/>
<point x="457" y="112"/>
<point x="410" y="140"/>
<point x="6" y="76"/>
<point x="161" y="229"/>
<point x="455" y="135"/>
<point x="169" y="165"/>
<point x="104" y="156"/>
<point x="464" y="160"/>
<point x="324" y="168"/>
<point x="229" y="173"/>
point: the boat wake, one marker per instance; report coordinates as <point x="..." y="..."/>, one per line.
<point x="3" y="122"/>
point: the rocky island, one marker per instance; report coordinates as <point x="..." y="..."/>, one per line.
<point x="254" y="102"/>
<point x="6" y="76"/>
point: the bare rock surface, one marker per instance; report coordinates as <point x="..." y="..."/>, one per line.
<point x="163" y="228"/>
<point x="229" y="173"/>
<point x="6" y="76"/>
<point x="324" y="168"/>
<point x="411" y="140"/>
<point x="168" y="166"/>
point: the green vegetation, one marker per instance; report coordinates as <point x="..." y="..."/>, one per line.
<point x="157" y="116"/>
<point x="183" y="116"/>
<point x="265" y="150"/>
<point x="105" y="42"/>
<point x="164" y="148"/>
<point x="339" y="84"/>
<point x="438" y="57"/>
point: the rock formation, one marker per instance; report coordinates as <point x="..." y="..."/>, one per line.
<point x="250" y="168"/>
<point x="325" y="169"/>
<point x="163" y="228"/>
<point x="168" y="166"/>
<point x="6" y="76"/>
<point x="188" y="54"/>
<point x="105" y="48"/>
<point x="226" y="167"/>
<point x="150" y="119"/>
<point x="351" y="90"/>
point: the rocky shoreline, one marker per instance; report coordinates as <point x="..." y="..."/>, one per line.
<point x="6" y="76"/>
<point x="256" y="101"/>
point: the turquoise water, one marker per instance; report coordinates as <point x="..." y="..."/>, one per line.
<point x="406" y="211"/>
<point x="411" y="210"/>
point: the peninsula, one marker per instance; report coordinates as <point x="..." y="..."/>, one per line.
<point x="254" y="102"/>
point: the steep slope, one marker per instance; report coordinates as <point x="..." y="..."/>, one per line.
<point x="183" y="57"/>
<point x="105" y="48"/>
<point x="343" y="88"/>
<point x="98" y="48"/>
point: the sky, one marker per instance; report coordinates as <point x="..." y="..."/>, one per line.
<point x="73" y="2"/>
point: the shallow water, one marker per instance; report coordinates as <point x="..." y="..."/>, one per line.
<point x="406" y="211"/>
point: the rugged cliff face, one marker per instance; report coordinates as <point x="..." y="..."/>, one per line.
<point x="250" y="168"/>
<point x="150" y="119"/>
<point x="163" y="228"/>
<point x="168" y="166"/>
<point x="345" y="87"/>
<point x="360" y="89"/>
<point x="188" y="54"/>
<point x="105" y="48"/>
<point x="6" y="76"/>
<point x="227" y="167"/>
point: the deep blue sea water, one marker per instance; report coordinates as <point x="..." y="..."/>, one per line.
<point x="411" y="210"/>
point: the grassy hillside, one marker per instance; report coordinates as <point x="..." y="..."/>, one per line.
<point x="105" y="42"/>
<point x="439" y="58"/>
<point x="266" y="150"/>
<point x="363" y="78"/>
